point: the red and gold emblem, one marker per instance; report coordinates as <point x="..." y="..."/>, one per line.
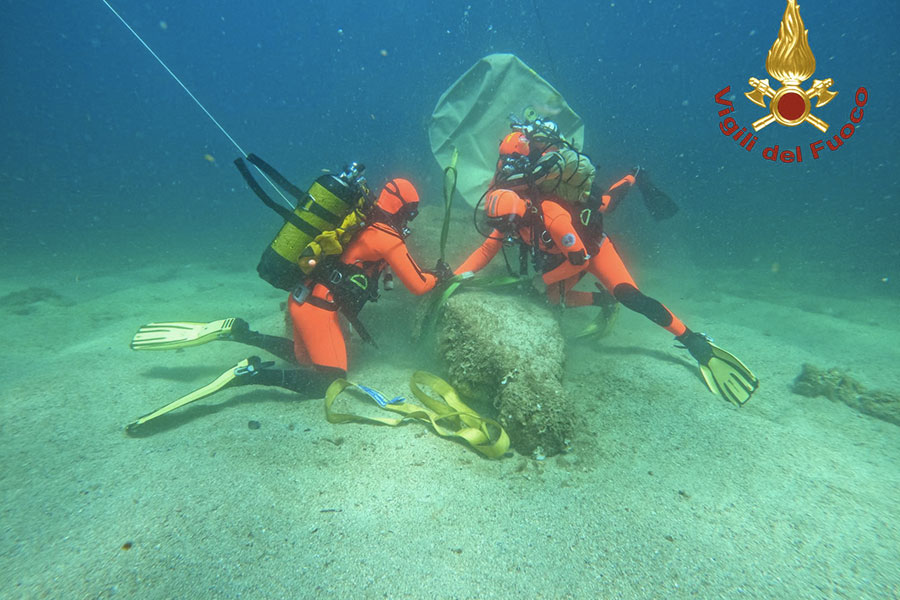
<point x="791" y="62"/>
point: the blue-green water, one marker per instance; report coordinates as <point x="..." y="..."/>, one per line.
<point x="98" y="139"/>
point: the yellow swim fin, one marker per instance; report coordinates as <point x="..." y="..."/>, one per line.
<point x="247" y="367"/>
<point x="171" y="335"/>
<point x="728" y="377"/>
<point x="723" y="372"/>
<point x="603" y="323"/>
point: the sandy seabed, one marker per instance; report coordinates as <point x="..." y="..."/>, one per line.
<point x="669" y="492"/>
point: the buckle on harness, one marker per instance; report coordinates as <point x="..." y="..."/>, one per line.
<point x="335" y="277"/>
<point x="300" y="293"/>
<point x="585" y="216"/>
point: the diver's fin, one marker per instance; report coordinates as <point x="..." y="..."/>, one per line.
<point x="603" y="323"/>
<point x="658" y="203"/>
<point x="723" y="373"/>
<point x="247" y="367"/>
<point x="727" y="376"/>
<point x="600" y="327"/>
<point x="167" y="336"/>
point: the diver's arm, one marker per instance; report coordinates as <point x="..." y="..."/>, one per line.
<point x="407" y="269"/>
<point x="606" y="202"/>
<point x="558" y="223"/>
<point x="482" y="255"/>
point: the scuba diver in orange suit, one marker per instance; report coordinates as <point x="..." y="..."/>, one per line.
<point x="553" y="231"/>
<point x="345" y="286"/>
<point x="343" y="283"/>
<point x="317" y="335"/>
<point x="570" y="238"/>
<point x="567" y="239"/>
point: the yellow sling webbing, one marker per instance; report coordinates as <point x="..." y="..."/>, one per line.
<point x="450" y="417"/>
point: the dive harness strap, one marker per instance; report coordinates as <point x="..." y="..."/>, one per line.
<point x="344" y="281"/>
<point x="351" y="318"/>
<point x="277" y="177"/>
<point x="284" y="184"/>
<point x="449" y="417"/>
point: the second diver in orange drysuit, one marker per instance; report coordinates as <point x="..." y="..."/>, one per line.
<point x="568" y="239"/>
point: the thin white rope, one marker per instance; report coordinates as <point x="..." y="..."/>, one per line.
<point x="193" y="97"/>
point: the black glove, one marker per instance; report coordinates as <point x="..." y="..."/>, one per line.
<point x="577" y="257"/>
<point x="442" y="271"/>
<point x="697" y="344"/>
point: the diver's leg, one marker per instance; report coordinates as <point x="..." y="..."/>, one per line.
<point x="607" y="266"/>
<point x="281" y="347"/>
<point x="317" y="336"/>
<point x="558" y="293"/>
<point x="607" y="200"/>
<point x="310" y="382"/>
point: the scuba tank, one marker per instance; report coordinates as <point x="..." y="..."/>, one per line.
<point x="328" y="201"/>
<point x="554" y="165"/>
<point x="323" y="207"/>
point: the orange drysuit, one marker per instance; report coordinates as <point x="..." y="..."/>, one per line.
<point x="318" y="339"/>
<point x="557" y="228"/>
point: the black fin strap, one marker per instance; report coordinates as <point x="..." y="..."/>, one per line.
<point x="262" y="195"/>
<point x="277" y="177"/>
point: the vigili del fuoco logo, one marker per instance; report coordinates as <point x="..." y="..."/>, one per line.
<point x="791" y="62"/>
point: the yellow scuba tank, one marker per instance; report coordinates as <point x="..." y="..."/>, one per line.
<point x="323" y="207"/>
<point x="329" y="199"/>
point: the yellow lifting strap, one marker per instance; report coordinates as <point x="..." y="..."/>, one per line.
<point x="449" y="416"/>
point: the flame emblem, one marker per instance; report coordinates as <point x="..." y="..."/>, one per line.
<point x="791" y="62"/>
